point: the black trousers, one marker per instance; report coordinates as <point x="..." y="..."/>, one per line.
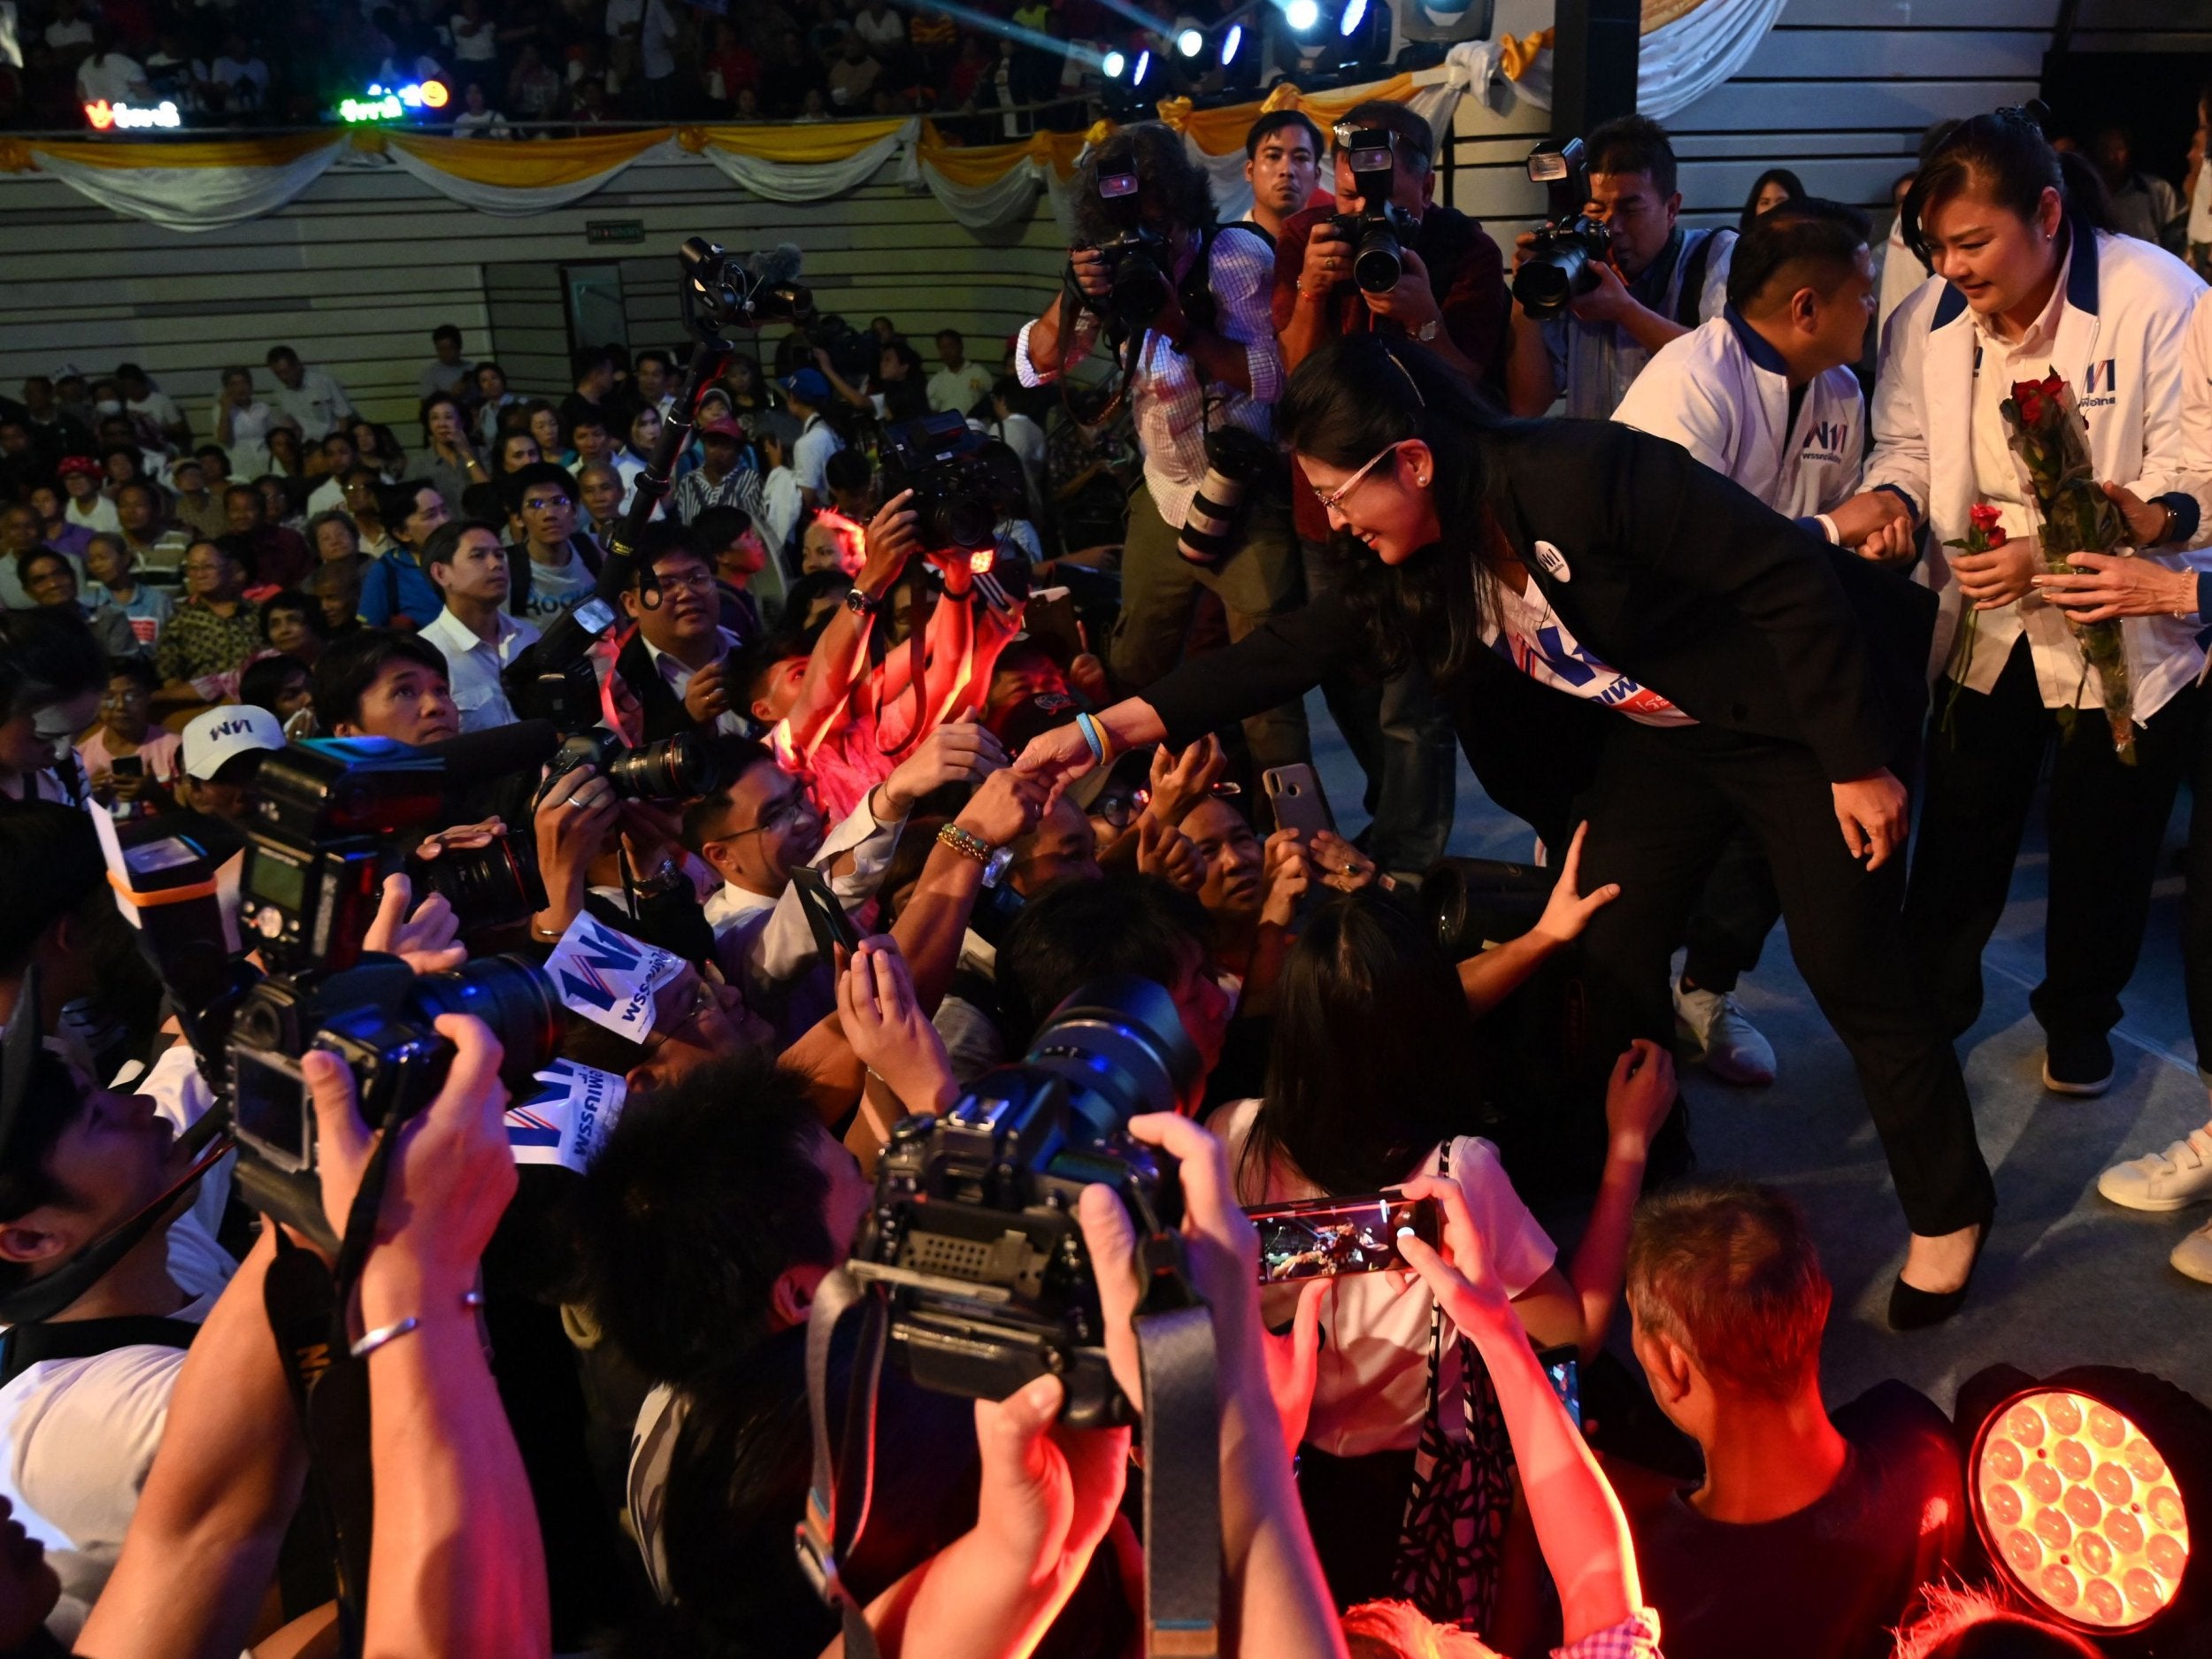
<point x="1665" y="803"/>
<point x="2106" y="822"/>
<point x="1733" y="915"/>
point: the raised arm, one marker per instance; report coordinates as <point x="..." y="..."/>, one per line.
<point x="841" y="654"/>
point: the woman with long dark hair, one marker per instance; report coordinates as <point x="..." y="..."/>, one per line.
<point x="2033" y="285"/>
<point x="1603" y="615"/>
<point x="1777" y="187"/>
<point x="1346" y="1115"/>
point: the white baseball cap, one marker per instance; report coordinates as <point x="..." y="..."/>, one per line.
<point x="218" y="737"/>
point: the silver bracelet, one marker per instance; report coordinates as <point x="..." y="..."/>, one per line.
<point x="371" y="1341"/>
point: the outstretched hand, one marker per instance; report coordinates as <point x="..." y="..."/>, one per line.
<point x="1568" y="910"/>
<point x="1873" y="811"/>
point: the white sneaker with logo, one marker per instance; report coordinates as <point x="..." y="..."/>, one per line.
<point x="2172" y="1179"/>
<point x="1735" y="1049"/>
<point x="2194" y="1254"/>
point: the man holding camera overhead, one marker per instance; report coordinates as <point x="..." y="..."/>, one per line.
<point x="1636" y="278"/>
<point x="1388" y="259"/>
<point x="1184" y="304"/>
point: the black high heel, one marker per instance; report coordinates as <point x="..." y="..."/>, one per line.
<point x="1913" y="1308"/>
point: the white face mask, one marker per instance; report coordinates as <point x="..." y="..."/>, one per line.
<point x="109" y="406"/>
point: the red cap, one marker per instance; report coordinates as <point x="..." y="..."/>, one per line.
<point x="722" y="427"/>
<point x="79" y="464"/>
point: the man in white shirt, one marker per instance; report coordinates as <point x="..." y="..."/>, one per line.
<point x="478" y="638"/>
<point x="960" y="385"/>
<point x="149" y="405"/>
<point x="106" y="76"/>
<point x="311" y="397"/>
<point x="1282" y="164"/>
<point x="808" y="392"/>
<point x="449" y="372"/>
<point x="242" y="422"/>
<point x="675" y="662"/>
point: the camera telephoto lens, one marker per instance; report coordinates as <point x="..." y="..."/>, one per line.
<point x="493" y="885"/>
<point x="1378" y="264"/>
<point x="513" y="997"/>
<point x="1119" y="1046"/>
<point x="1141" y="292"/>
<point x="679" y="768"/>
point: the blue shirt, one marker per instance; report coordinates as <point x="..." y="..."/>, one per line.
<point x="395" y="585"/>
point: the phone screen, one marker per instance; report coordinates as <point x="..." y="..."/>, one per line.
<point x="1562" y="1366"/>
<point x="1338" y="1235"/>
<point x="128" y="766"/>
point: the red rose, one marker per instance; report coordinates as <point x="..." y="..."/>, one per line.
<point x="1985" y="517"/>
<point x="2052" y="385"/>
<point x="2027" y="397"/>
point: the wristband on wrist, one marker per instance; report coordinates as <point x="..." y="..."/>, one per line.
<point x="1094" y="735"/>
<point x="967" y="843"/>
<point x="1828" y="528"/>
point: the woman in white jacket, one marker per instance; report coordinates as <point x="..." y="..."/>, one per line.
<point x="2032" y="287"/>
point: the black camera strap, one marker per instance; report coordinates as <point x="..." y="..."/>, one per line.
<point x="1182" y="1436"/>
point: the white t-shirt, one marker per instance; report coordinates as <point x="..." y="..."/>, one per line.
<point x="816" y="443"/>
<point x="1529" y="634"/>
<point x="656" y="47"/>
<point x="958" y="390"/>
<point x="109" y="79"/>
<point x="158" y="407"/>
<point x="482" y="47"/>
<point x="1370" y="1387"/>
<point x="554" y="588"/>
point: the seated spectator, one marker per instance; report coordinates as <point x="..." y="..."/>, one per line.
<point x="478" y="118"/>
<point x="365" y="486"/>
<point x="112" y="568"/>
<point x="57" y="529"/>
<point x="492" y="397"/>
<point x="142" y="511"/>
<point x="725" y="477"/>
<point x="2141" y="204"/>
<point x="335" y="539"/>
<point x="213" y="631"/>
<point x="379" y="449"/>
<point x="336" y="587"/>
<point x="105" y="76"/>
<point x="959" y="386"/>
<point x="553" y="568"/>
<point x="449" y="460"/>
<point x="160" y="420"/>
<point x="19" y="537"/>
<point x="242" y="421"/>
<point x="378" y="682"/>
<point x="1018" y="432"/>
<point x="514" y="452"/>
<point x="280" y="684"/>
<point x="51" y="579"/>
<point x="534" y="87"/>
<point x="197" y="510"/>
<point x="292" y="626"/>
<point x="474" y="633"/>
<point x="396" y="592"/>
<point x="280" y="554"/>
<point x="331" y="459"/>
<point x="1825" y="1526"/>
<point x="126" y="731"/>
<point x="1772" y="189"/>
<point x="600" y="487"/>
<point x="87" y="508"/>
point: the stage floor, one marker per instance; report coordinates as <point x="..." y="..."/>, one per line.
<point x="2067" y="1278"/>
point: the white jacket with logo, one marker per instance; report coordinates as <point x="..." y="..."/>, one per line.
<point x="2120" y="347"/>
<point x="1722" y="391"/>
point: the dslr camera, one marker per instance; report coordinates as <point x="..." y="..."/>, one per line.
<point x="1137" y="258"/>
<point x="376" y="1016"/>
<point x="1379" y="235"/>
<point x="679" y="768"/>
<point x="973" y="1233"/>
<point x="1569" y="243"/>
<point x="959" y="480"/>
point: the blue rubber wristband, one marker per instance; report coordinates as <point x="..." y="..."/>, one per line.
<point x="1088" y="726"/>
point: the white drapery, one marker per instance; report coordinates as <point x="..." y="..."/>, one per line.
<point x="1681" y="61"/>
<point x="814" y="180"/>
<point x="517" y="201"/>
<point x="193" y="199"/>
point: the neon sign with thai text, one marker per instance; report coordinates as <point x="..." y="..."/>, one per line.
<point x="104" y="115"/>
<point x="392" y="104"/>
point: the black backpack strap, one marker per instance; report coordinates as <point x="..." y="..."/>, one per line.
<point x="1687" y="302"/>
<point x="25" y="1344"/>
<point x="1196" y="291"/>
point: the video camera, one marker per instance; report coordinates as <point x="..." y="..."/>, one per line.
<point x="1569" y="243"/>
<point x="1137" y="258"/>
<point x="959" y="493"/>
<point x="720" y="290"/>
<point x="973" y="1233"/>
<point x="1378" y="235"/>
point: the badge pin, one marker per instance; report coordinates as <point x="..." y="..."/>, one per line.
<point x="1554" y="561"/>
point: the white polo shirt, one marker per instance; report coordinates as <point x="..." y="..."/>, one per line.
<point x="473" y="666"/>
<point x="816" y="443"/>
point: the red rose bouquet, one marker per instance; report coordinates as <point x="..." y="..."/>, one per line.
<point x="2050" y="448"/>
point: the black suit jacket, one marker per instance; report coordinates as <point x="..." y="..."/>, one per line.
<point x="1663" y="569"/>
<point x="664" y="712"/>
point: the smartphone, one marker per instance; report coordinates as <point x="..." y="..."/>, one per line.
<point x="1050" y="618"/>
<point x="1298" y="800"/>
<point x="128" y="765"/>
<point x="824" y="914"/>
<point x="1561" y="1365"/>
<point x="1321" y="1237"/>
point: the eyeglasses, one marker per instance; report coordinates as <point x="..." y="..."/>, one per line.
<point x="779" y="814"/>
<point x="690" y="581"/>
<point x="1120" y="807"/>
<point x="1332" y="500"/>
<point x="546" y="503"/>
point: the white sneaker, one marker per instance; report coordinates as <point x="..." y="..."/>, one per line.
<point x="2194" y="1254"/>
<point x="1735" y="1052"/>
<point x="2172" y="1179"/>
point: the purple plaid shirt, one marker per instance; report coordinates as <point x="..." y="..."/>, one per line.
<point x="1635" y="1637"/>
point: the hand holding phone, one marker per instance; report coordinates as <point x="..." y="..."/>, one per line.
<point x="1298" y="799"/>
<point x="824" y="914"/>
<point x="1321" y="1237"/>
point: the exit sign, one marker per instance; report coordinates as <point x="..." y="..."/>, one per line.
<point x="608" y="230"/>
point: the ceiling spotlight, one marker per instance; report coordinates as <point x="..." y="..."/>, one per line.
<point x="2085" y="1489"/>
<point x="1143" y="68"/>
<point x="1229" y="42"/>
<point x="1190" y="42"/>
<point x="1354" y="12"/>
<point x="1112" y="65"/>
<point x="1302" y="15"/>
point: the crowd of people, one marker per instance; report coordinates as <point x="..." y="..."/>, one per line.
<point x="929" y="701"/>
<point x="997" y="66"/>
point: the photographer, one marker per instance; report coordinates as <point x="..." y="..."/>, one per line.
<point x="1451" y="296"/>
<point x="380" y="683"/>
<point x="676" y="660"/>
<point x="1657" y="281"/>
<point x="1203" y="358"/>
<point x="1743" y="672"/>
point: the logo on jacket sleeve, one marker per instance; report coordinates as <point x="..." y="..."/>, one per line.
<point x="1554" y="561"/>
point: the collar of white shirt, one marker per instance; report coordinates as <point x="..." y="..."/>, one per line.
<point x="449" y="631"/>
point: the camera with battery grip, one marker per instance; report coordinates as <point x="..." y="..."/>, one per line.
<point x="963" y="482"/>
<point x="1138" y="258"/>
<point x="1379" y="233"/>
<point x="1560" y="267"/>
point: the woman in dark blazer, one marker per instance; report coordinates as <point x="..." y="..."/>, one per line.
<point x="1625" y="636"/>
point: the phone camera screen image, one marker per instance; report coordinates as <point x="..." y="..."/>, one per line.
<point x="1334" y="1236"/>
